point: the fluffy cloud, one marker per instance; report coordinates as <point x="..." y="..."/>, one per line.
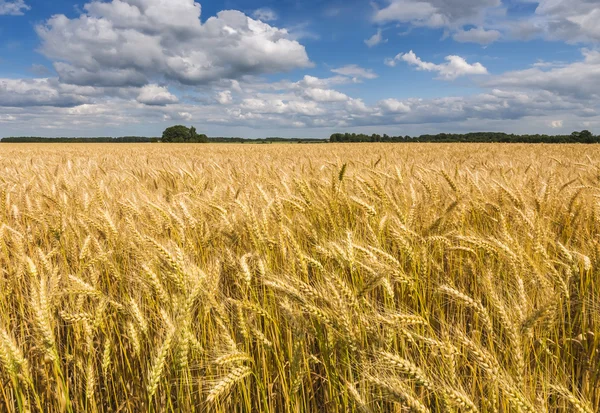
<point x="436" y="13"/>
<point x="455" y="66"/>
<point x="580" y="79"/>
<point x="376" y="39"/>
<point x="224" y="97"/>
<point x="394" y="106"/>
<point x="310" y="102"/>
<point x="155" y="95"/>
<point x="131" y="42"/>
<point x="477" y="35"/>
<point x="325" y="95"/>
<point x="13" y="7"/>
<point x="117" y="61"/>
<point x="252" y="106"/>
<point x="573" y="20"/>
<point x="271" y="107"/>
<point x="355" y="72"/>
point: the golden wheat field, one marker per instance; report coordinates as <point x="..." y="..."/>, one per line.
<point x="300" y="278"/>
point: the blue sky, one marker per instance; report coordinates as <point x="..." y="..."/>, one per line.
<point x="298" y="68"/>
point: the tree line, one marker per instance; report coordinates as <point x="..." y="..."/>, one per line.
<point x="183" y="134"/>
<point x="584" y="136"/>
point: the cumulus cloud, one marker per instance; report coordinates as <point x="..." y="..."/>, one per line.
<point x="355" y="72"/>
<point x="120" y="59"/>
<point x="155" y="95"/>
<point x="556" y="124"/>
<point x="13" y="7"/>
<point x="394" y="106"/>
<point x="436" y="13"/>
<point x="376" y="39"/>
<point x="131" y="42"/>
<point x="315" y="82"/>
<point x="454" y="67"/>
<point x="286" y="106"/>
<point x="456" y="17"/>
<point x="325" y="95"/>
<point x="179" y="116"/>
<point x="100" y="77"/>
<point x="573" y="20"/>
<point x="224" y="97"/>
<point x="38" y="92"/>
<point x="280" y="107"/>
<point x="579" y="79"/>
<point x="265" y="14"/>
<point x="477" y="35"/>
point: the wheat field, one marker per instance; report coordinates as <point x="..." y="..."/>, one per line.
<point x="300" y="278"/>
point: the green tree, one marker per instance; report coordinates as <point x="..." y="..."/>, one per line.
<point x="196" y="138"/>
<point x="180" y="133"/>
<point x="586" y="136"/>
<point x="177" y="133"/>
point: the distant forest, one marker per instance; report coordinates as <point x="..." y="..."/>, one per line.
<point x="576" y="137"/>
<point x="482" y="137"/>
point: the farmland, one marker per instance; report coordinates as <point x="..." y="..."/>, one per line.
<point x="300" y="278"/>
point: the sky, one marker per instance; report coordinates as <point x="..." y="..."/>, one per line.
<point x="298" y="68"/>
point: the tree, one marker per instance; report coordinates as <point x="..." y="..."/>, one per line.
<point x="180" y="133"/>
<point x="195" y="138"/>
<point x="586" y="136"/>
<point x="177" y="133"/>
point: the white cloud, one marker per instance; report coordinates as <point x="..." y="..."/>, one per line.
<point x="284" y="106"/>
<point x="132" y="42"/>
<point x="477" y="35"/>
<point x="265" y="14"/>
<point x="455" y="67"/>
<point x="357" y="106"/>
<point x="156" y="95"/>
<point x="179" y="116"/>
<point x="376" y="39"/>
<point x="394" y="106"/>
<point x="316" y="82"/>
<point x="118" y="61"/>
<point x="224" y="97"/>
<point x="325" y="95"/>
<point x="579" y="79"/>
<point x="355" y="71"/>
<point x="253" y="106"/>
<point x="13" y="7"/>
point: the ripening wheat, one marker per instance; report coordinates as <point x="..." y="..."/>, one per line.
<point x="300" y="278"/>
